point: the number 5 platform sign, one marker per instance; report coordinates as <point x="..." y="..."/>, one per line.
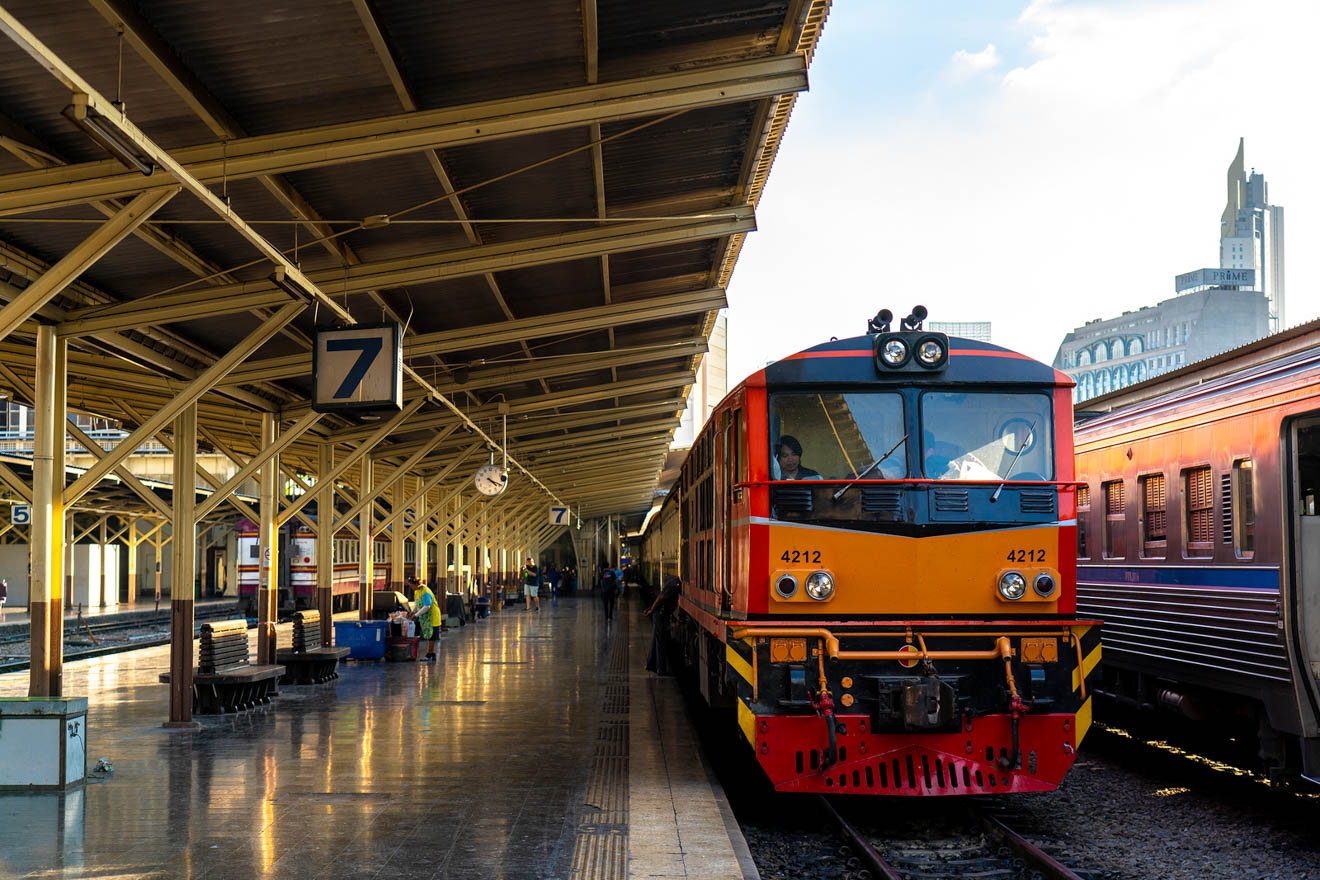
<point x="358" y="368"/>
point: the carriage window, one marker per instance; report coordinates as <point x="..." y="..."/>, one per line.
<point x="986" y="436"/>
<point x="1199" y="493"/>
<point x="1114" y="520"/>
<point x="254" y="552"/>
<point x="1243" y="531"/>
<point x="837" y="436"/>
<point x="1083" y="514"/>
<point x="1154" y="522"/>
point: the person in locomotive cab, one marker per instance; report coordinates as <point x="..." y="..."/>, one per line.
<point x="788" y="455"/>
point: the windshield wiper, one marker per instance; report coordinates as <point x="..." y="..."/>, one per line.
<point x="873" y="465"/>
<point x="1031" y="433"/>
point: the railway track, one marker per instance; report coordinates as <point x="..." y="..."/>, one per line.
<point x="83" y="640"/>
<point x="970" y="842"/>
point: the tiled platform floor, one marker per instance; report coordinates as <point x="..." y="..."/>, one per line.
<point x="536" y="748"/>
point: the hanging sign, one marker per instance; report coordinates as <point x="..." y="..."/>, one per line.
<point x="358" y="368"/>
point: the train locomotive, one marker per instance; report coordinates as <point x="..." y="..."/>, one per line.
<point x="1199" y="544"/>
<point x="875" y="539"/>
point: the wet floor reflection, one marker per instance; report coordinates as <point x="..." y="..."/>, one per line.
<point x="475" y="766"/>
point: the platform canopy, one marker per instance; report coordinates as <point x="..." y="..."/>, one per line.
<point x="549" y="196"/>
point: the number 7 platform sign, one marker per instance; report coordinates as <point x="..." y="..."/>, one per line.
<point x="358" y="368"/>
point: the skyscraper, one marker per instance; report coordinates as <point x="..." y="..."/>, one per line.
<point x="1251" y="235"/>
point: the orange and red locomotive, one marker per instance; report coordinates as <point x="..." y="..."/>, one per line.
<point x="876" y="541"/>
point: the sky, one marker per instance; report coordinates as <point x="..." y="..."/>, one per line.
<point x="1036" y="165"/>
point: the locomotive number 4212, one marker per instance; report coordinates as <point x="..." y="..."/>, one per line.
<point x="1026" y="555"/>
<point x="810" y="557"/>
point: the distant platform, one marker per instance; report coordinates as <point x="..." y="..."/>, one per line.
<point x="536" y="747"/>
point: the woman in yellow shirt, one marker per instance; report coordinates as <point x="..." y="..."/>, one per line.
<point x="427" y="614"/>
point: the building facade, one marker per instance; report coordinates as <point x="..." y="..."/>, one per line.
<point x="709" y="388"/>
<point x="978" y="330"/>
<point x="1107" y="354"/>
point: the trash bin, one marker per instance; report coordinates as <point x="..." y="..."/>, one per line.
<point x="403" y="648"/>
<point x="365" y="639"/>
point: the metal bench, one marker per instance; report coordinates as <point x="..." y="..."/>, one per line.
<point x="224" y="680"/>
<point x="307" y="662"/>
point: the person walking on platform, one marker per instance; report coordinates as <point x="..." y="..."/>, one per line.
<point x="609" y="591"/>
<point x="532" y="584"/>
<point x="427" y="615"/>
<point x="663" y="609"/>
<point x="552" y="575"/>
<point x="4" y="596"/>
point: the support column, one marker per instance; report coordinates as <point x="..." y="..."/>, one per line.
<point x="102" y="538"/>
<point x="183" y="568"/>
<point x="46" y="535"/>
<point x="366" y="528"/>
<point x="268" y="542"/>
<point x="419" y="540"/>
<point x="325" y="542"/>
<point x="133" y="542"/>
<point x="398" y="498"/>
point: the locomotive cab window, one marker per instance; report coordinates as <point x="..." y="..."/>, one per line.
<point x="837" y="436"/>
<point x="986" y="436"/>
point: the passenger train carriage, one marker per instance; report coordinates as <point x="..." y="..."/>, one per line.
<point x="1199" y="543"/>
<point x="900" y="618"/>
<point x="296" y="572"/>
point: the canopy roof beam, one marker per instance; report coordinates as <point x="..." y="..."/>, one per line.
<point x="442" y="128"/>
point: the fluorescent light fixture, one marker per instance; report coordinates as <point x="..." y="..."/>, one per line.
<point x="284" y="283"/>
<point x="107" y="136"/>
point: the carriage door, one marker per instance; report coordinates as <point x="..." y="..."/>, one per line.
<point x="1304" y="511"/>
<point x="721" y="499"/>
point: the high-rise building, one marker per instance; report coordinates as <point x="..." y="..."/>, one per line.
<point x="978" y="330"/>
<point x="1251" y="235"/>
<point x="709" y="388"/>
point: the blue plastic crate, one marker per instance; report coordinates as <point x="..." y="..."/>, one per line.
<point x="365" y="639"/>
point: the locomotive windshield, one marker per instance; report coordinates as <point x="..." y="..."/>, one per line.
<point x="986" y="436"/>
<point x="837" y="436"/>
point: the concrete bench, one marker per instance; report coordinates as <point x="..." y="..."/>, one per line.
<point x="307" y="662"/>
<point x="224" y="680"/>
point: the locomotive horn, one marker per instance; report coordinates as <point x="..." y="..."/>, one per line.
<point x="880" y="323"/>
<point x="913" y="321"/>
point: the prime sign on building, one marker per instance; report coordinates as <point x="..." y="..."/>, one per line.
<point x="1215" y="278"/>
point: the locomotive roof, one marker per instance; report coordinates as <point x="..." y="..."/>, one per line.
<point x="851" y="360"/>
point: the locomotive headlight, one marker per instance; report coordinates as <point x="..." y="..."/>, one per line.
<point x="894" y="352"/>
<point x="1043" y="585"/>
<point x="930" y="352"/>
<point x="1012" y="585"/>
<point x="820" y="585"/>
<point x="786" y="586"/>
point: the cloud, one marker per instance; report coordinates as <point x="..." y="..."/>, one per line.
<point x="969" y="64"/>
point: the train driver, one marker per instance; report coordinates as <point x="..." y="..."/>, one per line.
<point x="788" y="460"/>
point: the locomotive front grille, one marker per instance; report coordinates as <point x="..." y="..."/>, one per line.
<point x="1036" y="501"/>
<point x="786" y="500"/>
<point x="882" y="499"/>
<point x="952" y="500"/>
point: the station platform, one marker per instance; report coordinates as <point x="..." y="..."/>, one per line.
<point x="537" y="747"/>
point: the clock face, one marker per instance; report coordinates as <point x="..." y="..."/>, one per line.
<point x="490" y="479"/>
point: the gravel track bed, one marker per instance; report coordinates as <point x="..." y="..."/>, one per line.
<point x="1173" y="819"/>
